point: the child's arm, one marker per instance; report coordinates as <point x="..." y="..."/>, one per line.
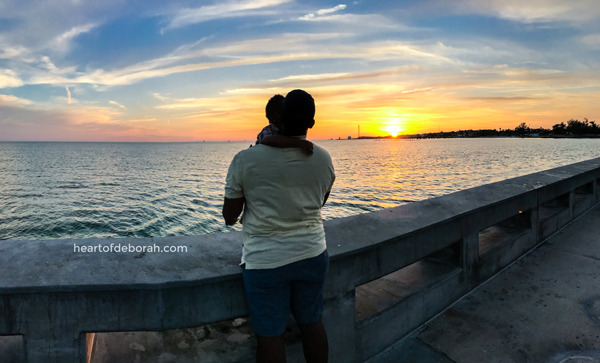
<point x="281" y="141"/>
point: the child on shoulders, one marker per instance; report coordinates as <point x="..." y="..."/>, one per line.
<point x="270" y="134"/>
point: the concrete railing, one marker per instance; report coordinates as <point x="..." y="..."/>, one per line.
<point x="391" y="270"/>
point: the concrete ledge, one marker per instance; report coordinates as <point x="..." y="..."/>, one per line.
<point x="52" y="265"/>
<point x="52" y="295"/>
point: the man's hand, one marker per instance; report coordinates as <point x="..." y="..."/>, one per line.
<point x="232" y="208"/>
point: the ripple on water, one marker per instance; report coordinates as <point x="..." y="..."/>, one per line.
<point x="81" y="190"/>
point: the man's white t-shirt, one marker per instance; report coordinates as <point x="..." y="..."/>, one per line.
<point x="284" y="191"/>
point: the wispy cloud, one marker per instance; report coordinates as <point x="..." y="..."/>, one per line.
<point x="160" y="97"/>
<point x="127" y="77"/>
<point x="592" y="40"/>
<point x="370" y="23"/>
<point x="308" y="80"/>
<point x="259" y="90"/>
<point x="533" y="11"/>
<point x="68" y="95"/>
<point x="9" y="100"/>
<point x="312" y="77"/>
<point x="282" y="85"/>
<point x="251" y="52"/>
<point x="62" y="42"/>
<point x="331" y="10"/>
<point x="87" y="123"/>
<point x="9" y="78"/>
<point x="48" y="68"/>
<point x="115" y="103"/>
<point x="321" y="12"/>
<point x="215" y="104"/>
<point x="8" y="51"/>
<point x="229" y="9"/>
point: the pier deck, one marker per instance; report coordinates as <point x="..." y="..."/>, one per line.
<point x="545" y="307"/>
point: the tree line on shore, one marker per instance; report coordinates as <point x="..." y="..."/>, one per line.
<point x="573" y="128"/>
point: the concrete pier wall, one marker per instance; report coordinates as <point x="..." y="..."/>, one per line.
<point x="391" y="270"/>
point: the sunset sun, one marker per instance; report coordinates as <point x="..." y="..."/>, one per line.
<point x="393" y="130"/>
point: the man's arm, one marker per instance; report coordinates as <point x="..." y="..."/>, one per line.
<point x="232" y="208"/>
<point x="281" y="141"/>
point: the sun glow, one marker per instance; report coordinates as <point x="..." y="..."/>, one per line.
<point x="393" y="130"/>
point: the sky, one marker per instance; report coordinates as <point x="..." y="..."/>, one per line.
<point x="144" y="70"/>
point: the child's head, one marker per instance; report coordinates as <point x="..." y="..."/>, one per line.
<point x="273" y="109"/>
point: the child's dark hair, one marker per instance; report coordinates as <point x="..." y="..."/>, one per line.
<point x="274" y="106"/>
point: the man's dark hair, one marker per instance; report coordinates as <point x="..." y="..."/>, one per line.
<point x="273" y="108"/>
<point x="298" y="113"/>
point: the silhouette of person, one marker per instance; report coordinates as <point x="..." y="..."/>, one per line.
<point x="284" y="255"/>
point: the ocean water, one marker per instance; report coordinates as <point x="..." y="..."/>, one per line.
<point x="81" y="190"/>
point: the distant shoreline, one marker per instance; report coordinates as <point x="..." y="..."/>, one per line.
<point x="412" y="137"/>
<point x="400" y="137"/>
<point x="573" y="129"/>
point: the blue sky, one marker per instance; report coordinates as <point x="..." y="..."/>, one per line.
<point x="202" y="70"/>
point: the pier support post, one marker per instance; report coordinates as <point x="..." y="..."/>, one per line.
<point x="571" y="205"/>
<point x="339" y="317"/>
<point x="46" y="347"/>
<point x="534" y="223"/>
<point x="470" y="258"/>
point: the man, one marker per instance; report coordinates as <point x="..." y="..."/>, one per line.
<point x="284" y="257"/>
<point x="270" y="135"/>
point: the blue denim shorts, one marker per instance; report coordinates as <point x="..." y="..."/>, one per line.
<point x="273" y="293"/>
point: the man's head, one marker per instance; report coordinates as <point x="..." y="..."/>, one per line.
<point x="273" y="109"/>
<point x="298" y="113"/>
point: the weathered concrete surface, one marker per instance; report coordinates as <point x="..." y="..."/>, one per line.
<point x="54" y="265"/>
<point x="51" y="294"/>
<point x="543" y="308"/>
<point x="227" y="341"/>
<point x="11" y="349"/>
